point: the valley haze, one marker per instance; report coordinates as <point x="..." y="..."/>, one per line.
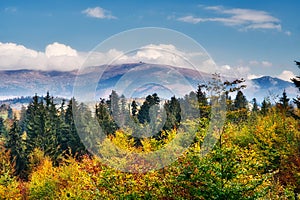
<point x="17" y="83"/>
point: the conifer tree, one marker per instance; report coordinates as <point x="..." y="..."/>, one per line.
<point x="42" y="125"/>
<point x="255" y="106"/>
<point x="10" y="113"/>
<point x="144" y="113"/>
<point x="173" y="111"/>
<point x="51" y="126"/>
<point x="265" y="106"/>
<point x="284" y="101"/>
<point x="69" y="138"/>
<point x="113" y="104"/>
<point x="104" y="118"/>
<point x="14" y="144"/>
<point x="189" y="106"/>
<point x="3" y="130"/>
<point x="201" y="96"/>
<point x="134" y="108"/>
<point x="202" y="101"/>
<point x="229" y="102"/>
<point x="65" y="129"/>
<point x="22" y="120"/>
<point x="34" y="124"/>
<point x="240" y="101"/>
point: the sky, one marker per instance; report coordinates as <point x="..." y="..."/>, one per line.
<point x="253" y="37"/>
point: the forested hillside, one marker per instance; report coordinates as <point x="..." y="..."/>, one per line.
<point x="44" y="154"/>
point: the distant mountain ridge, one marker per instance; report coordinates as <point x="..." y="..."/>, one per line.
<point x="29" y="82"/>
<point x="267" y="82"/>
<point x="270" y="87"/>
<point x="60" y="83"/>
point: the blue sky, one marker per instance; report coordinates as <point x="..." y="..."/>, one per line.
<point x="255" y="37"/>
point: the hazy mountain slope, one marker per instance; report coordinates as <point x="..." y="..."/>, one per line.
<point x="146" y="78"/>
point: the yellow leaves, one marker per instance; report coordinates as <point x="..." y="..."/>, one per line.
<point x="197" y="147"/>
<point x="43" y="181"/>
<point x="11" y="190"/>
<point x="147" y="145"/>
<point x="121" y="141"/>
<point x="36" y="158"/>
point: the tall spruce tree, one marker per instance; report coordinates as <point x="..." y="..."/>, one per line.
<point x="240" y="101"/>
<point x="134" y="108"/>
<point x="10" y="113"/>
<point x="265" y="106"/>
<point x="173" y="111"/>
<point x="42" y="125"/>
<point x="255" y="106"/>
<point x="3" y="131"/>
<point x="104" y="118"/>
<point x="51" y="127"/>
<point x="202" y="101"/>
<point x="34" y="124"/>
<point x="113" y="104"/>
<point x="189" y="106"/>
<point x="70" y="140"/>
<point x="22" y="120"/>
<point x="201" y="96"/>
<point x="14" y="143"/>
<point x="65" y="129"/>
<point x="144" y="113"/>
<point x="284" y="101"/>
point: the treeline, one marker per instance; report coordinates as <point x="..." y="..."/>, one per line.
<point x="47" y="151"/>
<point x="21" y="100"/>
<point x="42" y="126"/>
<point x="256" y="155"/>
<point x="52" y="128"/>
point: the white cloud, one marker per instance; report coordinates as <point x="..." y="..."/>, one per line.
<point x="191" y="19"/>
<point x="57" y="49"/>
<point x="286" y="75"/>
<point x="7" y="49"/>
<point x="264" y="26"/>
<point x="168" y="54"/>
<point x="253" y="76"/>
<point x="56" y="57"/>
<point x="99" y="13"/>
<point x="113" y="56"/>
<point x="244" y="18"/>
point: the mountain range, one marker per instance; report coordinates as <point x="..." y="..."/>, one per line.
<point x="134" y="80"/>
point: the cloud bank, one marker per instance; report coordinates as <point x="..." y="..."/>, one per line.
<point x="61" y="57"/>
<point x="55" y="57"/>
<point x="245" y="19"/>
